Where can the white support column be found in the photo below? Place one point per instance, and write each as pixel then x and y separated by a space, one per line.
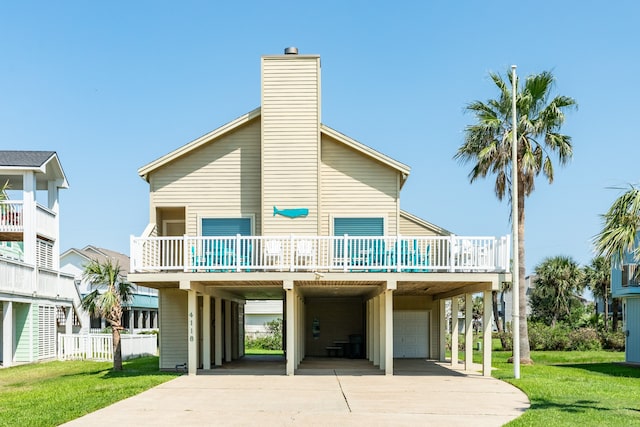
pixel 443 330
pixel 52 194
pixel 369 354
pixel 382 331
pixel 376 330
pixel 217 351
pixel 192 331
pixel 487 344
pixel 29 218
pixel 388 323
pixel 454 332
pixel 206 332
pixel 290 319
pixel 468 332
pixel 227 331
pixel 131 318
pixel 7 333
pixel 299 330
pixel 68 321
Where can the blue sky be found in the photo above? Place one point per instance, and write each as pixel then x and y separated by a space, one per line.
pixel 113 85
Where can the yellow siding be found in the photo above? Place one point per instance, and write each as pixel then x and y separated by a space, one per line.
pixel 220 179
pixel 411 228
pixel 290 141
pixel 173 328
pixel 355 185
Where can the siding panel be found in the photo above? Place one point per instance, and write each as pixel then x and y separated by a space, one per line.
pixel 173 328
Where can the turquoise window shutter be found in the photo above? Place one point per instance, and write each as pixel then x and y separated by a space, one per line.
pixel 358 226
pixel 226 226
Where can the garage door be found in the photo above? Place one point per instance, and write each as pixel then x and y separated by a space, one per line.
pixel 410 334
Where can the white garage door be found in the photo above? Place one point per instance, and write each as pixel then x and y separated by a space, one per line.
pixel 410 334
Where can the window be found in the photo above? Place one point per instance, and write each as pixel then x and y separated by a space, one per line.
pixel 226 226
pixel 358 226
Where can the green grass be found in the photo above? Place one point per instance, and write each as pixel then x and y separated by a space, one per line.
pixel 51 393
pixel 570 388
pixel 262 352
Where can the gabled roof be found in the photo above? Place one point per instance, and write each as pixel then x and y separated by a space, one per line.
pixel 45 163
pixel 90 252
pixel 29 159
pixel 436 229
pixel 144 171
pixel 254 114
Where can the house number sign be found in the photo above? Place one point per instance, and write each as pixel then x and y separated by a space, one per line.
pixel 191 326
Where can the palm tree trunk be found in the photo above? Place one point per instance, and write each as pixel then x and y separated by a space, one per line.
pixel 615 307
pixel 525 351
pixel 117 349
pixel 605 299
pixel 496 312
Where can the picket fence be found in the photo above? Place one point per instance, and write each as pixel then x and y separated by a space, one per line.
pixel 100 346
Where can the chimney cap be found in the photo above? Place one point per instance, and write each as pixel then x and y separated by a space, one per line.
pixel 291 51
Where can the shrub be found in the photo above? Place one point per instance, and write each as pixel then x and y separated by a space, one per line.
pixel 545 337
pixel 612 340
pixel 272 340
pixel 584 339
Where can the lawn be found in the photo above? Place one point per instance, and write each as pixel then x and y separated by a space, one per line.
pixel 262 352
pixel 51 393
pixel 575 388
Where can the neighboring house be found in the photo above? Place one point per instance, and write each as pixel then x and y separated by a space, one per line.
pixel 257 313
pixel 625 284
pixel 277 205
pixel 37 298
pixel 505 301
pixel 140 315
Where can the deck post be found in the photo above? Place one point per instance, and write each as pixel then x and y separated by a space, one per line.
pixel 290 326
pixel 206 332
pixel 227 331
pixel 468 332
pixel 7 333
pixel 192 331
pixel 376 330
pixel 382 330
pixel 443 330
pixel 217 348
pixel 487 323
pixel 454 332
pixel 388 332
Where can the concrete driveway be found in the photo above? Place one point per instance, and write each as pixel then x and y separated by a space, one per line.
pixel 321 393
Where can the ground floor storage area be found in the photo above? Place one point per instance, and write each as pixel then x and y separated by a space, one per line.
pixel 378 321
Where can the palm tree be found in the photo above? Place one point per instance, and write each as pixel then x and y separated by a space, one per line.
pixel 618 234
pixel 108 303
pixel 488 145
pixel 558 284
pixel 598 279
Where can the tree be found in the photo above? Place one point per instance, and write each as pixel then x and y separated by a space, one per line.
pixel 108 302
pixel 505 287
pixel 619 233
pixel 598 279
pixel 488 145
pixel 558 284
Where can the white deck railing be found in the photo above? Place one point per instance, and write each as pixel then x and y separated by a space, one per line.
pixel 12 218
pixel 18 277
pixel 320 253
pixel 100 346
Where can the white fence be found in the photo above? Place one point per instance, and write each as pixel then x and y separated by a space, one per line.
pixel 100 346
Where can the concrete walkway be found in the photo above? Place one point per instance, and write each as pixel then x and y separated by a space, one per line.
pixel 322 393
